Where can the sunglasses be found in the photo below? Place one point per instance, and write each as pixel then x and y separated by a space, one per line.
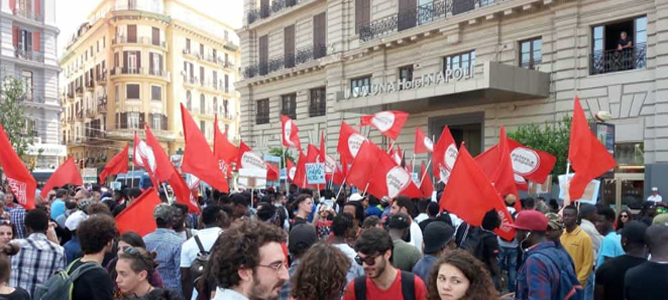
pixel 5 222
pixel 369 260
pixel 624 216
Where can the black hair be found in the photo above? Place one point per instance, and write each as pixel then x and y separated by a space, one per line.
pixel 553 204
pixel 266 211
pixel 61 193
pixel 374 241
pixel 359 210
pixel 182 207
pixel 134 192
pixel 133 239
pixel 210 214
pixel 422 205
pixel 96 232
pixel 240 199
pixel 373 201
pixel 224 199
pixel 37 220
pixel 491 220
pixel 433 209
pixel 529 203
pixel 607 213
pixel 342 224
pixel 301 198
pixel 573 207
pixel 406 202
pixel 69 204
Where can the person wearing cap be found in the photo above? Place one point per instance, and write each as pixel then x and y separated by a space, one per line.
pixel 438 238
pixel 655 197
pixel 405 254
pixel 167 244
pixel 403 204
pixel 301 238
pixel 539 275
pixel 610 275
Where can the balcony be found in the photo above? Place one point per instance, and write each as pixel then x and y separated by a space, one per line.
pixel 609 61
pixel 190 80
pixel 102 79
pixel 90 113
pixel 266 11
pixel 79 91
pixel 28 14
pixel 90 84
pixel 29 55
pixel 80 115
pixel 226 64
pixel 33 99
pixel 139 71
pixel 102 104
pixel 304 55
pixel 159 73
pixel 424 14
pixel 144 40
pixel 70 94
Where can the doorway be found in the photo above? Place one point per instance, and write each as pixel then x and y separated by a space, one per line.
pixel 465 128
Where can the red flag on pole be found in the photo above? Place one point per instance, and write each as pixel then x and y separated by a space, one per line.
pixel 499 168
pixel 290 133
pixel 272 172
pixel 350 142
pixel 67 173
pixel 445 155
pixel 341 172
pixel 363 164
pixel 423 144
pixel 138 217
pixel 248 159
pixel 223 150
pixel 182 191
pixel 387 122
pixel 469 194
pixel 426 186
pixel 143 157
pixel 291 169
pixel 389 179
pixel 20 181
pixel 300 174
pixel 587 155
pixel 198 158
pixel 118 164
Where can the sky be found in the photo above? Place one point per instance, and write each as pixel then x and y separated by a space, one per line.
pixel 70 14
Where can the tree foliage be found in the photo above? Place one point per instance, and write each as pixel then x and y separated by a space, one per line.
pixel 553 139
pixel 12 114
pixel 277 151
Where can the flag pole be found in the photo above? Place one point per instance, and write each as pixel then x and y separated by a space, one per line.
pixel 413 162
pixel 132 181
pixel 425 172
pixel 391 146
pixel 341 187
pixel 285 165
pixel 365 188
pixel 169 199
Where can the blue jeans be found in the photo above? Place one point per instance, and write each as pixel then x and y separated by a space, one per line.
pixel 589 288
pixel 508 262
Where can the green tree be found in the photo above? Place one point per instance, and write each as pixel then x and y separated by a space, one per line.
pixel 277 151
pixel 553 139
pixel 12 116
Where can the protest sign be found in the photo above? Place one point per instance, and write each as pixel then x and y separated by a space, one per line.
pixel 315 173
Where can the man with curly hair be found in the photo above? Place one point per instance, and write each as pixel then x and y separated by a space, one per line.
pixel 250 262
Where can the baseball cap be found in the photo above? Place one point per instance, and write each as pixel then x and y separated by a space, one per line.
pixel 661 219
pixel 163 211
pixel 356 197
pixel 72 222
pixel 554 222
pixel 530 220
pixel 655 189
pixel 436 235
pixel 301 237
pixel 399 221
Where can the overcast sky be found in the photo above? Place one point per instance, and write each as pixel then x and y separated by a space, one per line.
pixel 72 13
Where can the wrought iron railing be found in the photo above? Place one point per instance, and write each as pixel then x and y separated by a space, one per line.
pixel 265 11
pixel 614 60
pixel 28 14
pixel 424 14
pixel 286 61
pixel 102 104
pixel 29 55
pixel 90 84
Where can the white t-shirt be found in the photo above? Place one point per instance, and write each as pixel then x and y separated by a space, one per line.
pixel 421 217
pixel 416 236
pixel 656 198
pixel 184 233
pixel 190 250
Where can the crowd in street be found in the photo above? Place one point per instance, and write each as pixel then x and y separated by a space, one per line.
pixel 313 245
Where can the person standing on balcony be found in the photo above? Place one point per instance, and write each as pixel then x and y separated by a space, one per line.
pixel 625 47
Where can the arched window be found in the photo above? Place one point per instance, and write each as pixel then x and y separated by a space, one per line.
pixel 189 100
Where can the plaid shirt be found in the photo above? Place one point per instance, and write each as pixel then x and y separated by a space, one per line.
pixel 17 216
pixel 538 279
pixel 167 244
pixel 285 289
pixel 37 260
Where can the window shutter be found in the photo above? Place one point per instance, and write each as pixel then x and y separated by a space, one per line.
pixel 132 33
pixel 138 53
pixel 36 40
pixel 125 60
pixel 150 62
pixel 12 5
pixel 38 7
pixel 164 122
pixel 15 36
pixel 150 117
pixel 142 119
pixel 124 120
pixel 289 46
pixel 156 36
pixel 160 62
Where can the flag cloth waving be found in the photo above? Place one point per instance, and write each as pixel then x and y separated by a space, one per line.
pixel 426 185
pixel 469 194
pixel 588 156
pixel 198 158
pixel 143 157
pixel 350 142
pixel 387 122
pixel 20 181
pixel 363 164
pixel 118 164
pixel 445 155
pixel 140 209
pixel 499 168
pixel 249 160
pixel 423 144
pixel 290 133
pixel 223 150
pixel 67 173
pixel 389 179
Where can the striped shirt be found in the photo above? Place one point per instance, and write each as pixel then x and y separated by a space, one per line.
pixel 37 260
pixel 166 243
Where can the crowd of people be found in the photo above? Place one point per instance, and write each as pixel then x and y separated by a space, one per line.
pixel 313 245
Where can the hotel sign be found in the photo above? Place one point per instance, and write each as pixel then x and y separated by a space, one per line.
pixel 440 77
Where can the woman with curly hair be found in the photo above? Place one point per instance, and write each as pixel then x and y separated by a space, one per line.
pixel 321 275
pixel 623 218
pixel 457 275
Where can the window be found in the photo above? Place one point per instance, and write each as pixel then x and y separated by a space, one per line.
pixel 188 45
pixel 27 79
pixel 530 53
pixel 117 93
pixel 227 83
pixel 360 86
pixel 156 121
pixel 362 13
pixel 97 46
pixel 225 108
pixel 202 104
pixel 215 105
pixel 406 74
pixel 155 64
pixel 132 91
pixel 133 120
pixel 319 35
pixel 156 93
pixel 201 49
pixel 289 105
pixel 132 33
pixel 202 126
pixel 289 46
pixel 465 61
pixel 201 75
pixel 619 46
pixel 155 38
pixel 262 116
pixel 264 54
pixel 189 100
pixel 318 102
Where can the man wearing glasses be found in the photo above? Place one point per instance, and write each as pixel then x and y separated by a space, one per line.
pixel 250 262
pixel 382 281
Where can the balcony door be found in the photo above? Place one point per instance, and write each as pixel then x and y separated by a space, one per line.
pixel 407 15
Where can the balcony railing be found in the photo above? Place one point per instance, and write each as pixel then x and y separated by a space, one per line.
pixel 33 99
pixel 90 84
pixel 266 11
pixel 139 71
pixel 103 78
pixel 608 61
pixel 70 94
pixel 144 40
pixel 102 104
pixel 286 61
pixel 79 90
pixel 29 55
pixel 28 14
pixel 90 113
pixel 424 14
pixel 190 80
pixel 261 119
pixel 80 115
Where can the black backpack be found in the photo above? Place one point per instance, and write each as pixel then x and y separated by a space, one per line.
pixel 200 262
pixel 407 286
pixel 471 239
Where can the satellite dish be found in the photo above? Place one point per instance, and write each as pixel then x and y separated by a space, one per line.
pixel 603 116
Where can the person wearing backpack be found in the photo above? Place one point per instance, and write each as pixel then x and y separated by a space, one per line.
pixel 195 251
pixel 546 273
pixel 382 281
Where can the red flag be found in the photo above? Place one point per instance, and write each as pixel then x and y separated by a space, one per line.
pixel 300 174
pixel 423 144
pixel 397 156
pixel 138 216
pixel 20 181
pixel 290 133
pixel 588 156
pixel 363 164
pixel 291 169
pixel 426 186
pixel 350 142
pixel 445 155
pixel 391 180
pixel 340 173
pixel 223 150
pixel 118 164
pixel 387 122
pixel 499 168
pixel 469 194
pixel 182 191
pixel 272 172
pixel 143 157
pixel 322 152
pixel 198 158
pixel 248 159
pixel 67 173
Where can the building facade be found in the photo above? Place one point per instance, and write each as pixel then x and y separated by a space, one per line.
pixel 136 61
pixel 28 52
pixel 473 65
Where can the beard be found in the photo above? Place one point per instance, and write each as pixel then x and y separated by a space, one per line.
pixel 380 269
pixel 262 291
